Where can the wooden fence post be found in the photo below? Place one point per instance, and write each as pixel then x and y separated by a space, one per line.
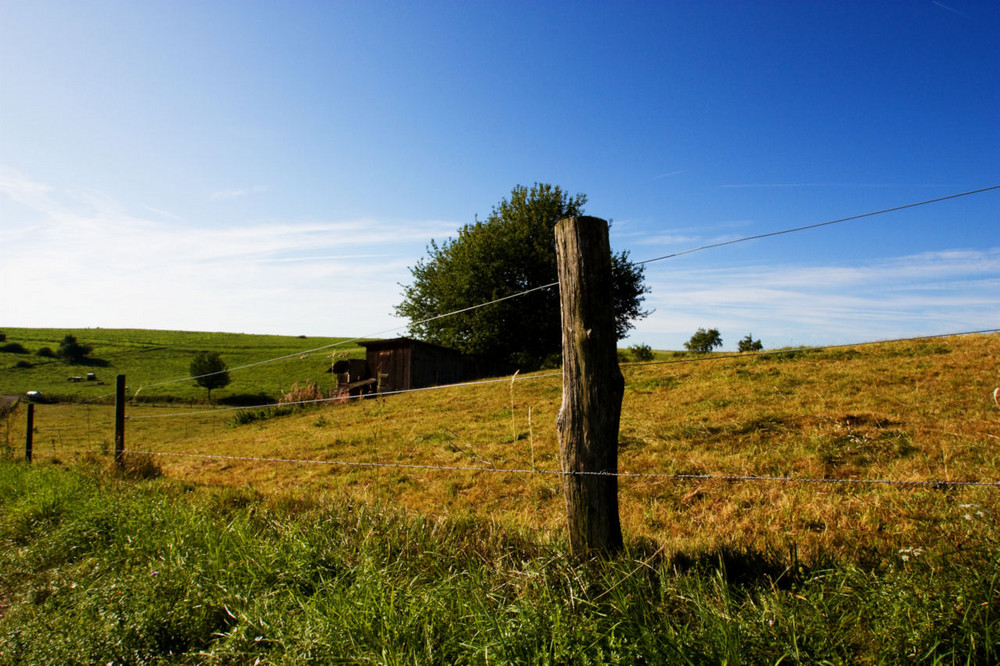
pixel 29 436
pixel 593 386
pixel 120 421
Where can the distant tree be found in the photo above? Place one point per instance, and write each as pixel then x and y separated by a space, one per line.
pixel 72 351
pixel 13 348
pixel 3 336
pixel 641 352
pixel 748 344
pixel 46 352
pixel 704 341
pixel 512 251
pixel 210 371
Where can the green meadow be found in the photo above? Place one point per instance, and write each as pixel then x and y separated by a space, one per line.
pixel 153 360
pixel 384 531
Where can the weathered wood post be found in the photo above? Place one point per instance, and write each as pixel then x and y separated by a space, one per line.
pixel 593 386
pixel 28 437
pixel 120 421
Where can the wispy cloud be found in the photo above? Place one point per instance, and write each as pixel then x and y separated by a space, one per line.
pixel 951 9
pixel 926 293
pixel 669 239
pixel 89 261
pixel 236 193
pixel 669 174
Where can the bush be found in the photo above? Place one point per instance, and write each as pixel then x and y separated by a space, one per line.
pixel 247 416
pixel 14 348
pixel 748 344
pixel 73 352
pixel 23 364
pixel 46 352
pixel 641 352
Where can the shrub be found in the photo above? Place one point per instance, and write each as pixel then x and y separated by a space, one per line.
pixel 72 351
pixel 247 416
pixel 748 344
pixel 641 352
pixel 14 348
pixel 46 352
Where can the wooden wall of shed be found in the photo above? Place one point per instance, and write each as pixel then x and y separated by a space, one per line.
pixel 391 368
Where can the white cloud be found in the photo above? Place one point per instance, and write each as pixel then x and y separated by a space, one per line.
pixel 87 261
pixel 81 259
pixel 928 293
pixel 236 193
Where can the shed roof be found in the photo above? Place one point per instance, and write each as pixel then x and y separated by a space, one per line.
pixel 405 342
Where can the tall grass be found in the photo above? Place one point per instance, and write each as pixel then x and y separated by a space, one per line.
pixel 98 569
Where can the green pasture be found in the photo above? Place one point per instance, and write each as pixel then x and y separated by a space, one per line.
pixel 98 568
pixel 151 358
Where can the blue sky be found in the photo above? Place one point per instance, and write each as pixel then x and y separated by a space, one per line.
pixel 275 167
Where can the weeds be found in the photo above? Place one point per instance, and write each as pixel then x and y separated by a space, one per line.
pixel 103 571
pixel 248 416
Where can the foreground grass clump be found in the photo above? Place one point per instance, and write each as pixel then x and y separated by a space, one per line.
pixel 96 569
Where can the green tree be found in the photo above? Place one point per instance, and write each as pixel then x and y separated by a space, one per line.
pixel 704 341
pixel 210 371
pixel 748 344
pixel 72 351
pixel 512 251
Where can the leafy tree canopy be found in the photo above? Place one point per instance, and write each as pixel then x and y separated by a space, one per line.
pixel 512 251
pixel 72 351
pixel 704 341
pixel 210 371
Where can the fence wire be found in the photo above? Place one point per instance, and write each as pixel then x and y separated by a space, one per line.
pixel 556 472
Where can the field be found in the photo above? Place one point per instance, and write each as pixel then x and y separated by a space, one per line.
pixel 449 496
pixel 149 358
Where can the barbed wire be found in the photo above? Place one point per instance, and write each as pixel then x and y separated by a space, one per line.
pixel 556 284
pixel 504 380
pixel 300 353
pixel 553 472
pixel 817 225
pixel 799 350
pixel 346 398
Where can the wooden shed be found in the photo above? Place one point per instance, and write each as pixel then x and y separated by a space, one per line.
pixel 403 363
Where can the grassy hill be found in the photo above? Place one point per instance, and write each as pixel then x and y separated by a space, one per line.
pixel 428 527
pixel 149 357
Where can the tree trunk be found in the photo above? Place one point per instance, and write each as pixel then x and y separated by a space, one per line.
pixel 592 386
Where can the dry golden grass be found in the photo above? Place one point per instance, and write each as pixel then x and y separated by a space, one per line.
pixel 914 411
